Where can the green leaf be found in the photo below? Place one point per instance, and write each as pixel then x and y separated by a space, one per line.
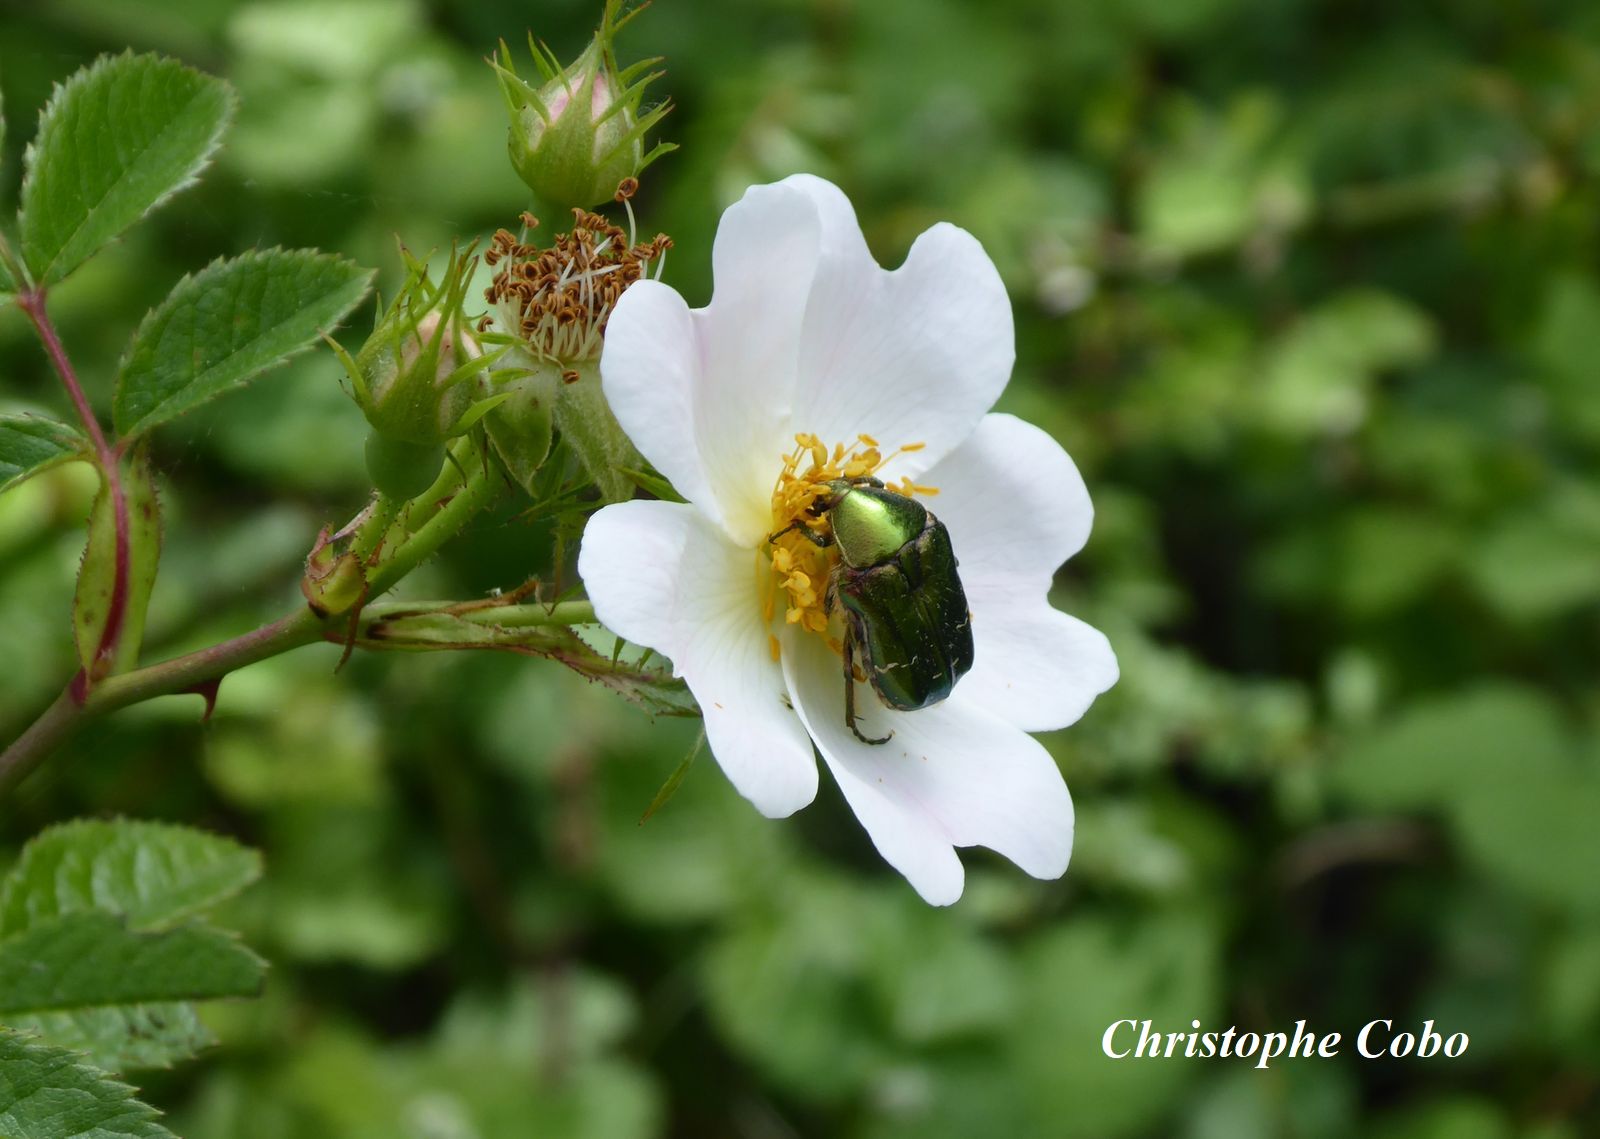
pixel 108 639
pixel 152 874
pixel 801 967
pixel 142 877
pixel 1498 763
pixel 116 140
pixel 30 444
pixel 1537 560
pixel 119 1038
pixel 221 326
pixel 93 960
pixel 1442 749
pixel 47 1093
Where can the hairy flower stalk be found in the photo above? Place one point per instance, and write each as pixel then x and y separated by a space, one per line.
pixel 765 410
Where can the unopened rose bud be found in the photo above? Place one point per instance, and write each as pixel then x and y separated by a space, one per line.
pixel 581 131
pixel 420 379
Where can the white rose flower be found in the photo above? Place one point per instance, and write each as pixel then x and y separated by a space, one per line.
pixel 808 355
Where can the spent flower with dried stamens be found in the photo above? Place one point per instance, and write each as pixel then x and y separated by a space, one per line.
pixel 555 300
pixel 551 304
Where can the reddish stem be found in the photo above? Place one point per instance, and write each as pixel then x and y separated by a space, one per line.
pixel 32 302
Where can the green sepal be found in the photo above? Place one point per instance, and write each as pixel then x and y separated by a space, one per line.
pixel 586 422
pixel 8 284
pixel 653 484
pixel 521 429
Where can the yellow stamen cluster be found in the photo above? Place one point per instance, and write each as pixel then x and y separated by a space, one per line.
pixel 559 299
pixel 800 567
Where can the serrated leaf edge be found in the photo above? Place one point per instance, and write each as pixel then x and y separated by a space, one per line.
pixel 58 93
pixel 83 453
pixel 120 1089
pixel 13 875
pixel 139 426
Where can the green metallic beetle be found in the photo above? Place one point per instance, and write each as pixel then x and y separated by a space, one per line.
pixel 906 615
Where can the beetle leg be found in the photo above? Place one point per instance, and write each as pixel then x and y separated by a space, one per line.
pixel 850 691
pixel 805 531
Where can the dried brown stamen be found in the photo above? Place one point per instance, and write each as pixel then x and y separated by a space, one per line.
pixel 558 299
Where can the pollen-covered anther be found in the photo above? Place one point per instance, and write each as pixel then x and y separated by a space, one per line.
pixel 802 557
pixel 557 300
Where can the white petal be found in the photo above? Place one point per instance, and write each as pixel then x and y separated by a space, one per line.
pixel 649 370
pixel 705 394
pixel 763 262
pixel 662 575
pixel 1034 666
pixel 1016 508
pixel 951 775
pixel 1013 500
pixel 911 356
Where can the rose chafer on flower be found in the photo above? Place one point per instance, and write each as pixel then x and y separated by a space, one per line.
pixel 814 375
pixel 581 131
pixel 420 379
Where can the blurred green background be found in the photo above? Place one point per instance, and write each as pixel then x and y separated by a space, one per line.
pixel 1310 290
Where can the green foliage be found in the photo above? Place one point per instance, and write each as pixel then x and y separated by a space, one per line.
pixel 30 444
pixel 538 1059
pixel 98 949
pixel 1310 294
pixel 115 141
pixel 45 1093
pixel 153 874
pixel 222 326
pixel 1081 978
pixel 1531 824
pixel 88 961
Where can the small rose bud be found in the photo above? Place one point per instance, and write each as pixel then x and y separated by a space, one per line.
pixel 581 131
pixel 421 377
pixel 334 581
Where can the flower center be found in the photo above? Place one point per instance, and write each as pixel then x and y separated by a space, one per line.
pixel 800 564
pixel 558 300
